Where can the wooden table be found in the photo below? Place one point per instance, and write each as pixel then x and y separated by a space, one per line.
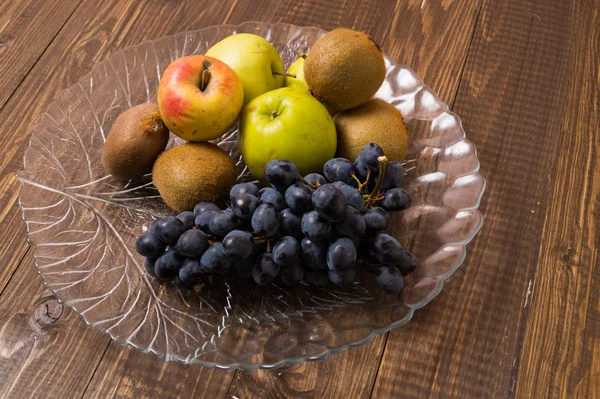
pixel 521 316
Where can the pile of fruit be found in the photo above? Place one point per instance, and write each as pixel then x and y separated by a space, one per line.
pixel 319 228
pixel 293 126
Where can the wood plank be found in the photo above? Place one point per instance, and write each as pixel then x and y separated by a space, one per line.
pixel 561 351
pixel 128 373
pixel 95 31
pixel 369 20
pixel 44 347
pixel 414 36
pixel 27 27
pixel 104 382
pixel 467 342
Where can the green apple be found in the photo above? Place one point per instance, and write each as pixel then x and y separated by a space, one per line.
pixel 256 62
pixel 297 70
pixel 286 124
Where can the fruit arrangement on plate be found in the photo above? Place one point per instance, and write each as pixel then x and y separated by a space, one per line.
pixel 87 196
pixel 326 159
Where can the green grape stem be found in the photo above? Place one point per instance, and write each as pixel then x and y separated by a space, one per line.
pixel 309 184
pixel 374 195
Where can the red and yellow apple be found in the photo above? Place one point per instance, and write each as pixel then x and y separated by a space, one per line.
pixel 199 97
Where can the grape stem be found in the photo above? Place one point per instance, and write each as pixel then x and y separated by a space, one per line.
pixel 372 198
pixel 361 185
pixel 309 184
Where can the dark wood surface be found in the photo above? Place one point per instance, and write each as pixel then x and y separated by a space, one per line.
pixel 520 318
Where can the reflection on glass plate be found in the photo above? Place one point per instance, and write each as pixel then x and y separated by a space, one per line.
pixel 83 224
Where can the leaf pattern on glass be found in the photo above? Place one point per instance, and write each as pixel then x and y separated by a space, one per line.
pixel 83 223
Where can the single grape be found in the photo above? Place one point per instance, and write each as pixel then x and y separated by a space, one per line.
pixel 281 174
pixel 244 188
pixel 271 196
pixel 205 206
pixel 292 274
pixel 149 246
pixel 376 220
pixel 316 278
pixel 342 278
pixel 191 272
pixel 268 265
pixel 313 255
pixel 152 227
pixel 330 202
pixel 187 218
pixel 315 227
pixel 223 222
pixel 409 263
pixel 339 169
pixel 299 197
pixel 389 279
pixel 352 225
pixel 192 243
pixel 167 265
pixel 368 157
pixel 387 250
pixel 169 229
pixel 315 179
pixel 286 251
pixel 265 269
pixel 396 199
pixel 243 267
pixel 244 205
pixel 394 174
pixel 353 196
pixel 150 263
pixel 290 224
pixel 214 259
pixel 238 243
pixel 202 221
pixel 265 221
pixel 362 171
pixel 341 255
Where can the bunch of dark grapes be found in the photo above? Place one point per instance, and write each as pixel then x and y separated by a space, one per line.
pixel 317 228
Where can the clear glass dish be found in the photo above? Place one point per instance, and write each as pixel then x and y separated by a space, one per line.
pixel 82 224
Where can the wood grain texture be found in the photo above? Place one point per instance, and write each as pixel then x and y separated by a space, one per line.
pixel 561 351
pixel 521 317
pixel 26 29
pixel 45 348
pixel 467 343
pixel 412 36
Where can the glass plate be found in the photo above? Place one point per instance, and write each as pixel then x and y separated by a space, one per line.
pixel 82 224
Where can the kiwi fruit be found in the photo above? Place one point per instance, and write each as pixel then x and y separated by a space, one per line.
pixel 134 142
pixel 376 121
pixel 191 173
pixel 344 68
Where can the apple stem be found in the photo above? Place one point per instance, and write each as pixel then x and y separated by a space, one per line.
pixel 274 115
pixel 291 75
pixel 205 79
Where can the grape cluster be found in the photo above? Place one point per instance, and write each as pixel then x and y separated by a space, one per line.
pixel 317 228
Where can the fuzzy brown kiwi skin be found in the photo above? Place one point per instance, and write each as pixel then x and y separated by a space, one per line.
pixel 134 142
pixel 344 68
pixel 375 121
pixel 191 173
